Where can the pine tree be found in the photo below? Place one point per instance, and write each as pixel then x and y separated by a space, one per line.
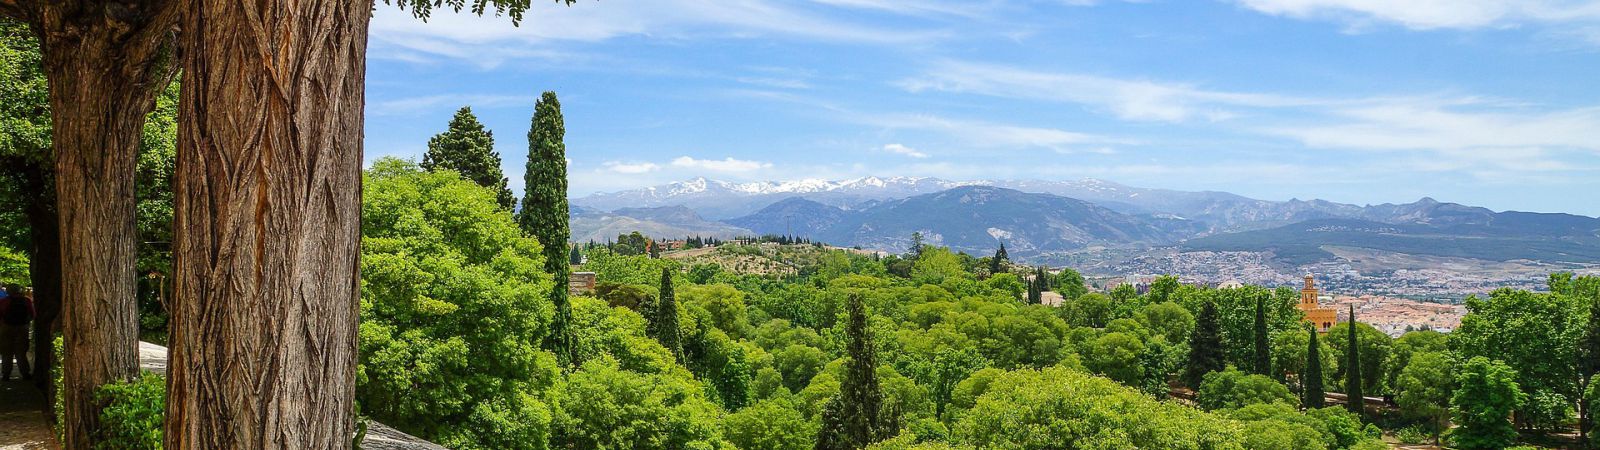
pixel 998 262
pixel 544 213
pixel 666 321
pixel 1263 353
pixel 574 257
pixel 1205 347
pixel 1311 381
pixel 467 148
pixel 861 419
pixel 1356 400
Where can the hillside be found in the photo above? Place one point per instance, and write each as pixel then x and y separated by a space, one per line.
pixel 793 216
pixel 664 222
pixel 1303 242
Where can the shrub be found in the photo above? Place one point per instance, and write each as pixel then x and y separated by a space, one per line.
pixel 1416 434
pixel 133 415
pixel 1233 389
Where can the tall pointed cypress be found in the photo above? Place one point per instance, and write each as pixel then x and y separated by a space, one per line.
pixel 860 419
pixel 1311 381
pixel 467 148
pixel 544 213
pixel 998 262
pixel 665 324
pixel 1263 353
pixel 1356 399
pixel 1205 347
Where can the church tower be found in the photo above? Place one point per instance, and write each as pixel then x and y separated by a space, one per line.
pixel 1322 318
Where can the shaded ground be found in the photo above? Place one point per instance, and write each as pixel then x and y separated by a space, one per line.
pixel 23 425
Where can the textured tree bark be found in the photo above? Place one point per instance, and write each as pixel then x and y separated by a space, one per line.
pixel 44 270
pixel 105 61
pixel 267 218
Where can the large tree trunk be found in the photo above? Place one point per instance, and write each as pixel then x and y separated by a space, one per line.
pixel 105 61
pixel 44 270
pixel 267 225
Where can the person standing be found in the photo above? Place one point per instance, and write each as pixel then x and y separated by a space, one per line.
pixel 16 312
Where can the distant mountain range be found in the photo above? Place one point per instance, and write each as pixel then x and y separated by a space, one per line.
pixel 971 218
pixel 659 222
pixel 1043 217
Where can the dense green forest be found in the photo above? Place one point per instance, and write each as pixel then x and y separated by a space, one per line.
pixel 675 355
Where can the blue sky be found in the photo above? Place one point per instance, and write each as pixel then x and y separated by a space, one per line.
pixel 1485 102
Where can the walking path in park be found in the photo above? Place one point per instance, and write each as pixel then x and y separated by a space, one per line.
pixel 24 427
pixel 22 421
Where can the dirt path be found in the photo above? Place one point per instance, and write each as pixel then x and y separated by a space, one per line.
pixel 22 425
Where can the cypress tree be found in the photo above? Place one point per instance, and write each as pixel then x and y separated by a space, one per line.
pixel 1263 353
pixel 1205 347
pixel 574 257
pixel 1033 291
pixel 666 321
pixel 1355 400
pixel 860 419
pixel 831 435
pixel 1041 283
pixel 1311 381
pixel 467 148
pixel 544 213
pixel 998 262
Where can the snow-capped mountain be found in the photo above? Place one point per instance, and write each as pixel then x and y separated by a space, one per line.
pixel 717 199
pixel 1039 216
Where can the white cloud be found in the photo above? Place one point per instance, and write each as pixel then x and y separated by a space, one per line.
pixel 987 134
pixel 1401 125
pixel 412 105
pixel 1434 14
pixel 1479 134
pixel 919 7
pixel 631 168
pixel 974 133
pixel 899 149
pixel 489 41
pixel 1127 99
pixel 724 165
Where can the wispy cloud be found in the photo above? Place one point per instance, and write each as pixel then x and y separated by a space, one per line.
pixel 1435 14
pixel 428 103
pixel 488 41
pixel 720 165
pixel 1474 131
pixel 899 149
pixel 982 134
pixel 631 168
pixel 1131 99
pixel 1413 124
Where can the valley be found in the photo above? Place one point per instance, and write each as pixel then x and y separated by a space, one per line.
pixel 1427 249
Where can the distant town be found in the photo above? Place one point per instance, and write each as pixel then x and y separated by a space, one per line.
pixel 1394 300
